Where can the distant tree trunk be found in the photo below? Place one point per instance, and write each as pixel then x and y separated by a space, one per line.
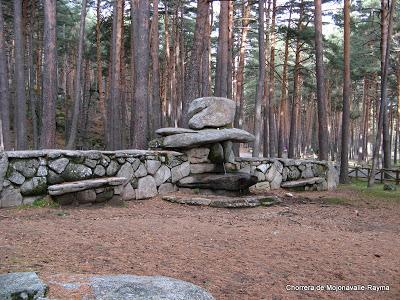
pixel 397 136
pixel 156 102
pixel 48 131
pixel 205 59
pixel 102 106
pixel 4 91
pixel 344 156
pixel 284 93
pixel 193 76
pixel 115 78
pixel 385 36
pixel 319 66
pixel 31 72
pixel 266 108
pixel 132 69
pixel 261 78
pixel 20 104
pixel 78 85
pixel 142 47
pixel 271 94
pixel 230 52
pixel 238 123
pixel 384 79
pixel 296 92
pixel 240 72
pixel 221 73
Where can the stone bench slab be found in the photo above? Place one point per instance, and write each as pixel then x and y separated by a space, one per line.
pixel 76 186
pixel 302 182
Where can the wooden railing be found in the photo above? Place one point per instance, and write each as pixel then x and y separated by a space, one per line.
pixel 383 175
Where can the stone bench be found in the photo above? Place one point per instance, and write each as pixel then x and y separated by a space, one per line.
pixel 307 184
pixel 89 191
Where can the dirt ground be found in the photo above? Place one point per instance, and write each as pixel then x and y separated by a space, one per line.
pixel 254 253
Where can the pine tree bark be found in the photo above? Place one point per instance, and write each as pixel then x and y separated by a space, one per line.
pixel 192 81
pixel 115 77
pixel 271 94
pixel 382 106
pixel 20 103
pixel 102 106
pixel 48 129
pixel 5 142
pixel 205 58
pixel 71 144
pixel 284 93
pixel 142 47
pixel 156 102
pixel 296 91
pixel 344 156
pixel 240 72
pixel 319 68
pixel 385 36
pixel 221 74
pixel 261 78
pixel 294 126
pixel 31 72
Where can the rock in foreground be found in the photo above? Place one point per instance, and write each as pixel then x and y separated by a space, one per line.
pixel 24 285
pixel 126 287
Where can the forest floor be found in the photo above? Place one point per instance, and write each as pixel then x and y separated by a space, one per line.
pixel 345 237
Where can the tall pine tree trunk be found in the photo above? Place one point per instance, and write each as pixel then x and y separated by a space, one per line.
pixel 296 92
pixel 5 143
pixel 102 106
pixel 48 130
pixel 142 61
pixel 385 37
pixel 382 106
pixel 115 78
pixel 71 144
pixel 321 101
pixel 261 78
pixel 344 156
pixel 284 93
pixel 155 83
pixel 193 76
pixel 271 94
pixel 20 103
pixel 221 73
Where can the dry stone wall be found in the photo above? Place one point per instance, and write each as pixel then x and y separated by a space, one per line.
pixel 289 173
pixel 26 175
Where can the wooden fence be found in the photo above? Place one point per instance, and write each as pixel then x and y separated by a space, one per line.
pixel 383 175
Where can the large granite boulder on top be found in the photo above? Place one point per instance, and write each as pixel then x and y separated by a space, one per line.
pixel 229 182
pixel 122 287
pixel 207 136
pixel 211 112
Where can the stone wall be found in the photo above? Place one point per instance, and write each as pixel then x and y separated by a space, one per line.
pixel 26 175
pixel 289 173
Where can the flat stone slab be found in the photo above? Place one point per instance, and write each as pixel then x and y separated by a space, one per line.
pixel 23 285
pixel 223 201
pixel 126 287
pixel 76 186
pixel 302 182
pixel 229 181
pixel 173 130
pixel 207 136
